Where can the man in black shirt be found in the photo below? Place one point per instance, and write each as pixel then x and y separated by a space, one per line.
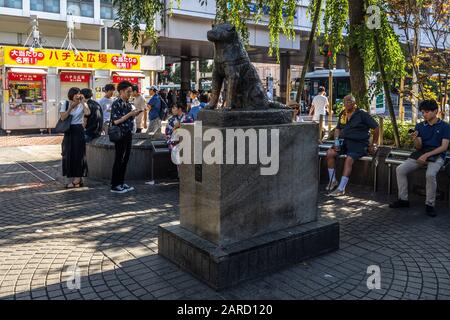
pixel 353 130
pixel 94 122
pixel 122 115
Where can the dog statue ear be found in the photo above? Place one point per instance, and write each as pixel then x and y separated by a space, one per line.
pixel 233 28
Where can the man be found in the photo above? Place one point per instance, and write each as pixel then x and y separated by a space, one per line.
pixel 319 106
pixel 195 105
pixel 431 140
pixel 106 103
pixel 122 115
pixel 140 104
pixel 94 121
pixel 353 128
pixel 155 109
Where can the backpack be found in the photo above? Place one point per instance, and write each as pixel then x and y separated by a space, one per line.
pixel 163 109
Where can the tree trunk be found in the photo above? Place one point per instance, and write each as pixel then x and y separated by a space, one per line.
pixel 356 63
pixel 387 91
pixel 312 35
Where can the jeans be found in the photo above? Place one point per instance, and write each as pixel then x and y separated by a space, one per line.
pixel 154 126
pixel 123 150
pixel 410 165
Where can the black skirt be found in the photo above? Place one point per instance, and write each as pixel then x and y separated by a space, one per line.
pixel 74 153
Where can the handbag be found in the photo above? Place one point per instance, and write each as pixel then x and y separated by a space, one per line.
pixel 114 132
pixel 63 126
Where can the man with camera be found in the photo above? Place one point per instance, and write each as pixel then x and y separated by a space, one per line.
pixel 352 139
pixel 431 140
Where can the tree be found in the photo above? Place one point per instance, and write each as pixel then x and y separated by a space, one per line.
pixel 315 8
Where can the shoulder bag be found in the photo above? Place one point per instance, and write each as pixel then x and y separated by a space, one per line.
pixel 114 132
pixel 63 126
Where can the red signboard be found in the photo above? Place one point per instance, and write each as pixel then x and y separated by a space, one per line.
pixel 75 77
pixel 13 76
pixel 117 79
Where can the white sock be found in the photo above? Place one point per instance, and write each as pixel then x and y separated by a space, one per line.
pixel 343 184
pixel 331 175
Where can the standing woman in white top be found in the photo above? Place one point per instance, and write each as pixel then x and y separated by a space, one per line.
pixel 74 145
pixel 319 105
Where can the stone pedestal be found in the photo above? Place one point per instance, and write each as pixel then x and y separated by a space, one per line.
pixel 235 223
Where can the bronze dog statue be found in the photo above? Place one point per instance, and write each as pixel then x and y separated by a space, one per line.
pixel 231 64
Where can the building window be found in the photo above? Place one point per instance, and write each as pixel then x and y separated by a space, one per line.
pixel 16 4
pixel 83 8
pixel 45 5
pixel 107 10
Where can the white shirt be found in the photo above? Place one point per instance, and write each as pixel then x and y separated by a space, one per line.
pixel 77 113
pixel 320 102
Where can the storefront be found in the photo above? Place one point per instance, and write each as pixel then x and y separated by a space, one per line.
pixel 35 81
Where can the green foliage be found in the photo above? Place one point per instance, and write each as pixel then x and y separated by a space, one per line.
pixel 335 20
pixel 132 13
pixel 338 107
pixel 405 139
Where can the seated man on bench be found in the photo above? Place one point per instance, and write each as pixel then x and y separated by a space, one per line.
pixel 431 139
pixel 353 128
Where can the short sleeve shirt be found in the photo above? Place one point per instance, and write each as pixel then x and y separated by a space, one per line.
pixel 320 102
pixel 140 104
pixel 106 104
pixel 356 130
pixel 155 103
pixel 432 135
pixel 119 109
pixel 77 113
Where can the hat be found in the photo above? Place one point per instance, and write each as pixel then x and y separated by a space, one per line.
pixel 154 88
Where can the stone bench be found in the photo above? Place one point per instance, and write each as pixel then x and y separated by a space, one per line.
pixel 397 157
pixel 149 158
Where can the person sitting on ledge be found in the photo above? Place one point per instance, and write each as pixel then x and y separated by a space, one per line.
pixel 431 139
pixel 353 129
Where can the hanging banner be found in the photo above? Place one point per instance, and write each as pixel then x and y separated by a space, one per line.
pixel 13 76
pixel 117 79
pixel 67 59
pixel 75 77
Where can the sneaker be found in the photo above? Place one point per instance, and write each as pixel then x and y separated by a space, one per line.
pixel 399 204
pixel 337 193
pixel 127 187
pixel 118 189
pixel 332 185
pixel 430 211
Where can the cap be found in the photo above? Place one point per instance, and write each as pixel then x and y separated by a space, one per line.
pixel 155 88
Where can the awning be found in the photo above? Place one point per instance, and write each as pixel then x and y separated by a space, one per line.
pixel 130 74
pixel 28 70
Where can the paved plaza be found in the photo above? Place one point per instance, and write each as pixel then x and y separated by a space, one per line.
pixel 47 232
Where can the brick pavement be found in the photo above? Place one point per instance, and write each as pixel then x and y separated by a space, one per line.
pixel 45 230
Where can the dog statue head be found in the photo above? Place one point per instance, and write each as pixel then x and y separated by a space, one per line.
pixel 224 32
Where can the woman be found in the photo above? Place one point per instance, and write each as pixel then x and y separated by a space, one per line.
pixel 122 115
pixel 296 114
pixel 74 144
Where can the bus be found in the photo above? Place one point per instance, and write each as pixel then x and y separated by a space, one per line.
pixel 317 78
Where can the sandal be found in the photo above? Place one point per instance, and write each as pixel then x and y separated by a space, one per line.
pixel 73 185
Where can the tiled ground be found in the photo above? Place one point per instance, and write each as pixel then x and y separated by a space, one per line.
pixel 46 230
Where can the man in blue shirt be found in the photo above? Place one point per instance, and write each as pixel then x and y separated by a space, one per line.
pixel 431 140
pixel 155 109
